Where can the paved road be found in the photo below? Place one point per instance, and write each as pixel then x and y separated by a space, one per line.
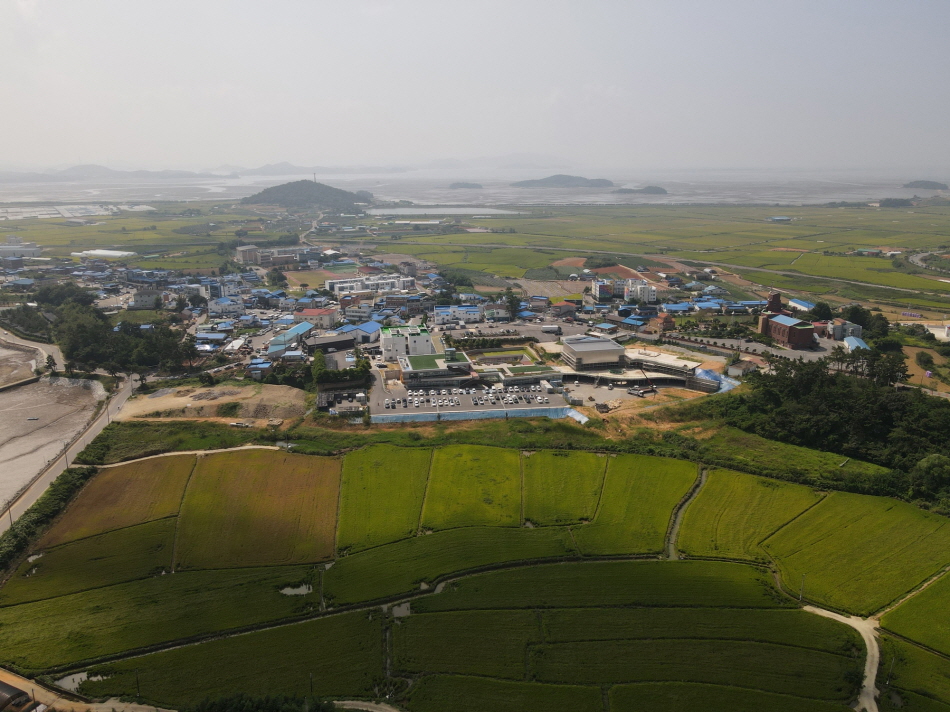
pixel 45 348
pixel 867 628
pixel 55 468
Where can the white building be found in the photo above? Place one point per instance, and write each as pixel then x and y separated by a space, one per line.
pixel 144 299
pixel 248 255
pixel 455 312
pixel 225 306
pixel 376 283
pixel 396 341
pixel 320 318
pixel 15 247
pixel 591 351
pixel 640 290
pixel 220 289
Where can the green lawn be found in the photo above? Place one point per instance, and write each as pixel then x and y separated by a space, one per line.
pixel 472 485
pixel 734 513
pixel 123 555
pixel 381 498
pixel 639 495
pixel 859 553
pixel 343 654
pixel 562 487
pixel 403 566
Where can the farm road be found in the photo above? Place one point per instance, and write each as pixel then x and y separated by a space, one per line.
pixel 368 706
pixel 867 627
pixel 55 701
pixel 672 552
pixel 191 452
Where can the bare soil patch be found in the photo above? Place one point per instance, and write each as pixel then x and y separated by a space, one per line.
pixel 16 362
pixel 258 401
pixel 570 262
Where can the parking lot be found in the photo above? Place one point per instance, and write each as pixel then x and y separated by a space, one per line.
pixel 483 397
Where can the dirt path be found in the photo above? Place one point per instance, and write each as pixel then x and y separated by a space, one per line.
pixel 672 553
pixel 192 452
pixel 368 706
pixel 55 701
pixel 867 627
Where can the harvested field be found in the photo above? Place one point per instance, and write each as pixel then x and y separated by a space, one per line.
pixel 343 654
pixel 450 693
pixel 118 556
pixel 123 496
pixel 259 507
pixel 471 485
pixel 402 567
pixel 859 553
pixel 735 512
pixel 639 495
pixel 709 584
pixel 562 487
pixel 381 498
pixel 102 621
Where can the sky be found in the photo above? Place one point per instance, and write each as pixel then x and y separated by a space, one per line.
pixel 677 84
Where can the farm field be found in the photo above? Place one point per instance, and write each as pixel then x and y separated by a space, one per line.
pixel 639 495
pixel 237 513
pixel 102 621
pixel 489 601
pixel 674 697
pixel 859 553
pixel 471 485
pixel 381 498
pixel 121 555
pixel 344 655
pixel 734 513
pixel 562 487
pixel 404 566
pixel 707 584
pixel 450 693
pixel 923 618
pixel 123 496
pixel 920 678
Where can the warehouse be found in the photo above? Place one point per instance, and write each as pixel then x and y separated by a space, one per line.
pixel 11 696
pixel 588 351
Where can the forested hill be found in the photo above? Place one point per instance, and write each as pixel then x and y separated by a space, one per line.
pixel 309 194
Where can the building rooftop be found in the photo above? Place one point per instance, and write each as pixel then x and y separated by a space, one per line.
pixel 853 342
pixel 590 342
pixel 789 321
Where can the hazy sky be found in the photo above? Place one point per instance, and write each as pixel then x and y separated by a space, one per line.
pixel 625 84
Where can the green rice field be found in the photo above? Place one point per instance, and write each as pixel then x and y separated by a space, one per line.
pixel 483 575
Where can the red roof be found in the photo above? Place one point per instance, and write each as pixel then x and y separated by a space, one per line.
pixel 316 312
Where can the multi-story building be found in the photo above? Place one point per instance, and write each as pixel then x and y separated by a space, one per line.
pixel 639 290
pixel 321 318
pixel 16 247
pixel 396 341
pixel 248 255
pixel 602 289
pixel 376 283
pixel 453 312
pixel 587 351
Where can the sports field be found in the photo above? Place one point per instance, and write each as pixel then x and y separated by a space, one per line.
pixel 513 566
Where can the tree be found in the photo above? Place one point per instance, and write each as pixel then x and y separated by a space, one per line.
pixel 930 476
pixel 513 303
pixel 157 304
pixel 822 311
pixel 196 300
pixel 180 303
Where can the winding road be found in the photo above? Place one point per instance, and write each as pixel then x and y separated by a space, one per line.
pixel 867 628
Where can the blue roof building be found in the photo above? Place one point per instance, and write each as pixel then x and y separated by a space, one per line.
pixel 800 304
pixel 852 343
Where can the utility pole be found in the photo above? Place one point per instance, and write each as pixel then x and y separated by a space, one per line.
pixel 801 592
pixel 138 687
pixel 891 671
pixel 311 684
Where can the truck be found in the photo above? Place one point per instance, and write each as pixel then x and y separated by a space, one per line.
pixel 551 329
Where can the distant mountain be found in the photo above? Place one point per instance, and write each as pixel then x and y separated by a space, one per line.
pixel 564 181
pixel 926 185
pixel 307 194
pixel 648 190
pixel 289 169
pixel 102 174
pixel 466 185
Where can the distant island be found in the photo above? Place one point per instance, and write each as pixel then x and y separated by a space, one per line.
pixel 648 190
pixel 466 185
pixel 926 185
pixel 308 194
pixel 565 181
